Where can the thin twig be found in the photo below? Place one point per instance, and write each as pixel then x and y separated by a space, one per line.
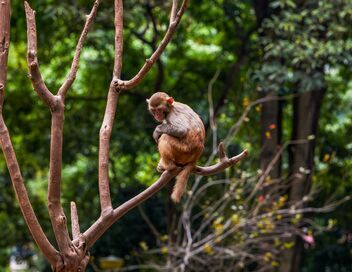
pixel 74 67
pixel 212 120
pixel 129 84
pixel 150 224
pixel 74 221
pixel 33 65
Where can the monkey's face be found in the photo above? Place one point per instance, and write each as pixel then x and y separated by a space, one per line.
pixel 159 113
pixel 159 105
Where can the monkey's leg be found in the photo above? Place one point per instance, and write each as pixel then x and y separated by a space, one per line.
pixel 165 150
pixel 161 166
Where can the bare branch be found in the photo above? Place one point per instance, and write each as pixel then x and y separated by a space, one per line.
pixel 118 6
pixel 106 220
pixel 56 213
pixel 129 84
pixel 212 120
pixel 21 193
pixel 74 67
pixel 110 112
pixel 173 11
pixel 5 14
pixel 74 221
pixel 224 163
pixel 150 224
pixel 271 165
pixel 34 72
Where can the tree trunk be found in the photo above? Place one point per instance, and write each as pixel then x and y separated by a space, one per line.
pixel 271 119
pixel 306 111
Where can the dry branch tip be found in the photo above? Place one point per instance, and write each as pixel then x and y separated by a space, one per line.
pixel 28 7
pixel 221 150
pixel 239 157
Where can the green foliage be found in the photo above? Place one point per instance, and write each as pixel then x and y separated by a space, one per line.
pixel 301 43
pixel 298 48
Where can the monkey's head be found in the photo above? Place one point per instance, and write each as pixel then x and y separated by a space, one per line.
pixel 159 105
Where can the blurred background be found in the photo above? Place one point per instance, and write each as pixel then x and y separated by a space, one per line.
pixel 270 76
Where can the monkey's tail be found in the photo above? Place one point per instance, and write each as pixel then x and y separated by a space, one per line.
pixel 181 183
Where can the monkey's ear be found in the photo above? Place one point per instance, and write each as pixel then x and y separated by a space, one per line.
pixel 147 100
pixel 170 100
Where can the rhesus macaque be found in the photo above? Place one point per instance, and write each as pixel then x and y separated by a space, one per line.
pixel 180 138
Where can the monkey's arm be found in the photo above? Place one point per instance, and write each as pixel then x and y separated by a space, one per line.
pixel 176 131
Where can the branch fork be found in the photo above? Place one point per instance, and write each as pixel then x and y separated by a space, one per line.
pixel 224 163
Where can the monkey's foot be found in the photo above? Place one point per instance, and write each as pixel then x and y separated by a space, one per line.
pixel 160 168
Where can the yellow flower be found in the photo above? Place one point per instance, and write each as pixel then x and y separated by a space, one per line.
pixel 164 250
pixel 164 238
pixel 288 245
pixel 208 249
pixel 326 157
pixel 332 223
pixel 283 199
pixel 274 264
pixel 267 180
pixel 143 245
pixel 245 101
pixel 218 226
pixel 296 218
pixel 253 235
pixel 235 219
pixel 267 257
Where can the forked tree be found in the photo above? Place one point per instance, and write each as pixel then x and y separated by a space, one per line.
pixel 72 252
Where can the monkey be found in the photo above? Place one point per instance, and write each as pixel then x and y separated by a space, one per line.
pixel 180 138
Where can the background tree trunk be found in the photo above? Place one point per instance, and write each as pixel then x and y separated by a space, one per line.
pixel 306 111
pixel 271 133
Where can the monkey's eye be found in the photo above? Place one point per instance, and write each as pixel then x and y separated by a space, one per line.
pixel 160 109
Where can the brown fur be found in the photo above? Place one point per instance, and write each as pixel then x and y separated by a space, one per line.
pixel 184 151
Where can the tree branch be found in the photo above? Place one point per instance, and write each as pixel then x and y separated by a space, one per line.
pixel 56 104
pixel 21 193
pixel 224 163
pixel 74 221
pixel 173 11
pixel 34 72
pixel 56 213
pixel 105 221
pixel 109 116
pixel 152 43
pixel 129 84
pixel 74 67
pixel 5 14
pixel 17 181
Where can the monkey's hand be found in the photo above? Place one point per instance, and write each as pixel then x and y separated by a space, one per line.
pixel 175 131
pixel 157 133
